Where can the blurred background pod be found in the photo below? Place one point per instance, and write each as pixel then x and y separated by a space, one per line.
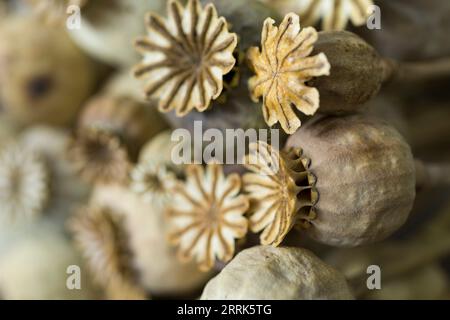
pixel 44 77
pixel 35 265
pixel 133 122
pixel 160 271
pixel 37 181
pixel 67 191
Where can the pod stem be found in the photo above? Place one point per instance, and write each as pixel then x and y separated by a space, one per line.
pixel 410 73
pixel 432 174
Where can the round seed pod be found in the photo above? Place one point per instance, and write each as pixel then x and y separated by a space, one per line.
pixel 356 75
pixel 131 121
pixel 268 273
pixel 234 109
pixel 154 258
pixel 109 27
pixel 365 178
pixel 66 190
pixel 44 76
pixel 34 267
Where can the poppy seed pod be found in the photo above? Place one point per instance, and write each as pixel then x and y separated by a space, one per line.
pixel 133 122
pixel 356 75
pixel 44 77
pixel 365 178
pixel 264 272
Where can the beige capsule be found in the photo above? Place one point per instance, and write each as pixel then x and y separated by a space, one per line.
pixel 268 273
pixel 44 77
pixel 34 266
pixel 356 75
pixel 123 117
pixel 365 178
pixel 155 260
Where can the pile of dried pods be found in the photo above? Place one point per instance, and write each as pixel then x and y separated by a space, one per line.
pixel 345 137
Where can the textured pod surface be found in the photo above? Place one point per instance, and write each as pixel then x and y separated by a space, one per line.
pixel 356 75
pixel 131 121
pixel 365 178
pixel 44 77
pixel 159 270
pixel 34 267
pixel 268 273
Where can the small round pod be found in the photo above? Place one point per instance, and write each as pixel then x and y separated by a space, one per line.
pixel 66 190
pixel 365 178
pixel 36 266
pixel 155 260
pixel 131 121
pixel 44 77
pixel 357 72
pixel 268 273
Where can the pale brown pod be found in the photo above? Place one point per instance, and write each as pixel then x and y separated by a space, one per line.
pixel 44 77
pixel 35 263
pixel 159 270
pixel 365 178
pixel 100 236
pixel 268 273
pixel 123 117
pixel 356 75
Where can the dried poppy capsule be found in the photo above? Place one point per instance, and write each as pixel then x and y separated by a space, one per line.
pixel 282 67
pixel 67 191
pixel 34 266
pixel 267 273
pixel 185 57
pixel 335 14
pixel 153 182
pixel 207 215
pixel 353 180
pixel 44 77
pixel 365 178
pixel 98 233
pixel 24 184
pixel 281 189
pixel 99 157
pixel 155 175
pixel 123 117
pixel 356 75
pixel 160 271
